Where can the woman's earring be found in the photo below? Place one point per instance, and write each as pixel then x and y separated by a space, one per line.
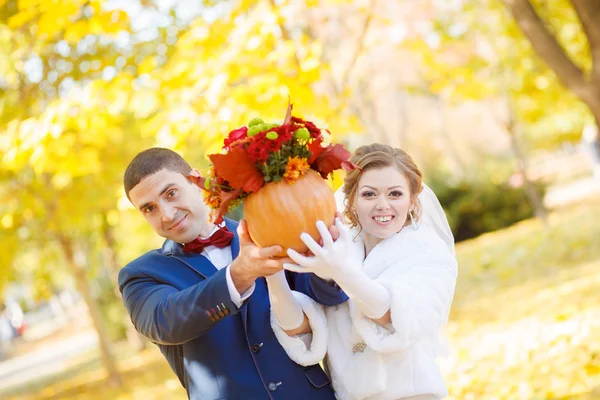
pixel 413 221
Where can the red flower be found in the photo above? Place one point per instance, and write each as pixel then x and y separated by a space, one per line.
pixel 235 135
pixel 312 128
pixel 272 145
pixel 284 134
pixel 257 152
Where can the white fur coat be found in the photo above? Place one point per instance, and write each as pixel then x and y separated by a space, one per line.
pixel 374 362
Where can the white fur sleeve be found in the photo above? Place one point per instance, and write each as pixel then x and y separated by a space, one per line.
pixel 420 302
pixel 294 346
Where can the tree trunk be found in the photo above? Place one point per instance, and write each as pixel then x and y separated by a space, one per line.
pixel 83 288
pixel 588 12
pixel 595 109
pixel 359 48
pixel 136 340
pixel 339 86
pixel 532 194
pixel 450 147
pixel 365 109
pixel 585 86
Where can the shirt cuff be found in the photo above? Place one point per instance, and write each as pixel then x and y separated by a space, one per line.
pixel 236 298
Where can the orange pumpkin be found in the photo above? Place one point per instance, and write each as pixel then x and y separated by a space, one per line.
pixel 279 212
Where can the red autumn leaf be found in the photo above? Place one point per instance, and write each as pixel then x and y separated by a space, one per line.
pixel 349 166
pixel 330 159
pixel 226 199
pixel 237 169
pixel 315 149
pixel 254 182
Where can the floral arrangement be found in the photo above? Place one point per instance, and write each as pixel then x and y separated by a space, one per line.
pixel 260 153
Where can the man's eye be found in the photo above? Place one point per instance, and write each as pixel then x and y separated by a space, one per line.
pixel 148 209
pixel 171 193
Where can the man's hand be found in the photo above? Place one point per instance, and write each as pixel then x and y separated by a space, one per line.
pixel 252 261
pixel 333 230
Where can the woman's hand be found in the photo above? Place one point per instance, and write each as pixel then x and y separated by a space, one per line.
pixel 330 260
pixel 336 260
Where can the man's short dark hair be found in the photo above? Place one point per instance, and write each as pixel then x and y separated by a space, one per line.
pixel 151 161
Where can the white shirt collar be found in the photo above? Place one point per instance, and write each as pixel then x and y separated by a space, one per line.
pixel 216 228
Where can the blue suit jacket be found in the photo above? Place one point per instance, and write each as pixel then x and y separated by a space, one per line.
pixel 172 296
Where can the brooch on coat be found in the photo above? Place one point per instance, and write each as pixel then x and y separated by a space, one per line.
pixel 359 347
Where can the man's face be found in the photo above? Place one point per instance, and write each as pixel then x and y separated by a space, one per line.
pixel 172 205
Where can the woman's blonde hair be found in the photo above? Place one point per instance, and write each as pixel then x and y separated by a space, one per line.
pixel 378 156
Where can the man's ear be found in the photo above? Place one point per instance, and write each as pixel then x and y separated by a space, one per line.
pixel 196 178
pixel 195 172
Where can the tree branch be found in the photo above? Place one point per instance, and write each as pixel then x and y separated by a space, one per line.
pixel 367 112
pixel 360 45
pixel 285 34
pixel 589 15
pixel 548 48
pixel 338 86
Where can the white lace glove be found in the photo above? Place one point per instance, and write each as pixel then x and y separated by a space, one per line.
pixel 336 260
pixel 285 307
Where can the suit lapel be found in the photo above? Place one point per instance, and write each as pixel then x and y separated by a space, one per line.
pixel 198 263
pixel 235 243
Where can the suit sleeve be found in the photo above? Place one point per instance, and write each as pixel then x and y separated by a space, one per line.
pixel 321 291
pixel 166 315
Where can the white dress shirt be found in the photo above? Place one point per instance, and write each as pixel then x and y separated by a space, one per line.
pixel 222 258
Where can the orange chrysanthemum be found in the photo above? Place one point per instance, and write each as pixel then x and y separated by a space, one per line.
pixel 211 199
pixel 295 168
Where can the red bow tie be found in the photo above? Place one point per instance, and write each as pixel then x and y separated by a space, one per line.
pixel 220 239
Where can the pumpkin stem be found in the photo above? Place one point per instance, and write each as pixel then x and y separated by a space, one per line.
pixel 288 115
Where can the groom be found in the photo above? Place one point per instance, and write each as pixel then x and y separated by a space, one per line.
pixel 202 297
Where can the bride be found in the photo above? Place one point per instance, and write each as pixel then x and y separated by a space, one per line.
pixel 396 263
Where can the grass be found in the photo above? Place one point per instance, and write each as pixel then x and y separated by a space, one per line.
pixel 525 320
pixel 529 251
pixel 524 324
pixel 146 375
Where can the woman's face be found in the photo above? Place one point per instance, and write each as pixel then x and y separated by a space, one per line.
pixel 382 201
